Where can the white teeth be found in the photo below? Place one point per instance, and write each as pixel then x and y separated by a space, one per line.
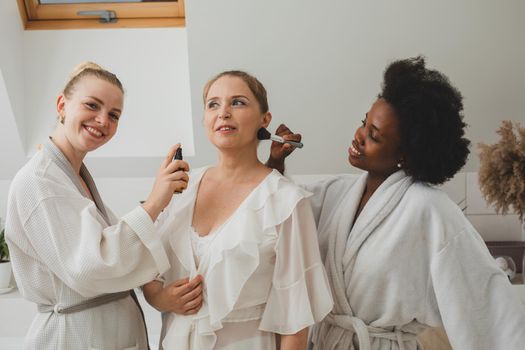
pixel 355 150
pixel 225 128
pixel 94 131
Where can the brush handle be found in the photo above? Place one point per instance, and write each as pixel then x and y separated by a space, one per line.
pixel 281 140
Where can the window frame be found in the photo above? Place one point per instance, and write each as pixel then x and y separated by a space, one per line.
pixel 130 15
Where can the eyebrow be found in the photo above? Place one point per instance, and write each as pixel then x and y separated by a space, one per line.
pixel 102 103
pixel 235 96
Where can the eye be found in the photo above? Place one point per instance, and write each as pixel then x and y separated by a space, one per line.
pixel 372 137
pixel 91 105
pixel 114 116
pixel 212 104
pixel 238 102
pixel 363 122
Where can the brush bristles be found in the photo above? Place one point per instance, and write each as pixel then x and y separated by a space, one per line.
pixel 263 134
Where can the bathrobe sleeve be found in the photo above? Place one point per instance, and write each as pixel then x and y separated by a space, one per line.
pixel 300 295
pixel 69 237
pixel 478 307
pixel 319 191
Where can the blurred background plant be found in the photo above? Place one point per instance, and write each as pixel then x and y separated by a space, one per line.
pixel 502 170
pixel 4 250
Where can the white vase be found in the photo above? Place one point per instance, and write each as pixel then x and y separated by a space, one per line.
pixel 5 274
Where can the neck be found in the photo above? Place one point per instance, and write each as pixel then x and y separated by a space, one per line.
pixel 373 181
pixel 238 165
pixel 74 156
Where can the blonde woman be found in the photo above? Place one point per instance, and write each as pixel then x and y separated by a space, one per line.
pixel 250 234
pixel 71 256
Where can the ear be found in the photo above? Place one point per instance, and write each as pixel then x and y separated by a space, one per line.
pixel 60 105
pixel 267 118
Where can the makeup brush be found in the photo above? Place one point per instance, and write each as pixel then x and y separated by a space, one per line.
pixel 263 134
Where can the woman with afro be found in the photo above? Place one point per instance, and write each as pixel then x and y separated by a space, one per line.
pixel 400 255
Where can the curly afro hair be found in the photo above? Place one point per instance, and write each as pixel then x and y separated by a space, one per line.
pixel 430 116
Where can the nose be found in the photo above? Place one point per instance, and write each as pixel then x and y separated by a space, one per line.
pixel 359 136
pixel 224 113
pixel 102 119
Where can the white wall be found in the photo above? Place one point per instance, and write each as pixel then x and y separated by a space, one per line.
pixel 11 90
pixel 322 62
pixel 152 65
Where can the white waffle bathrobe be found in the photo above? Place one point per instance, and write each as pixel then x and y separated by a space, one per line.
pixel 410 261
pixel 66 249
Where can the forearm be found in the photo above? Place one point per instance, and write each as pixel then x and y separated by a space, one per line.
pixel 153 294
pixel 295 341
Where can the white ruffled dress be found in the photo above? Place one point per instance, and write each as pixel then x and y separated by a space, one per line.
pixel 262 269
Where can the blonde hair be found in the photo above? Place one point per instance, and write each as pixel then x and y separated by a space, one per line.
pixel 256 87
pixel 85 69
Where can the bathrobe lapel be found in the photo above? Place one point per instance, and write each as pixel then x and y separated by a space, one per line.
pixel 343 246
pixel 379 206
pixel 60 159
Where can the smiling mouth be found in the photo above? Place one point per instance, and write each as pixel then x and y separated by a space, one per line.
pixel 93 131
pixel 225 128
pixel 354 151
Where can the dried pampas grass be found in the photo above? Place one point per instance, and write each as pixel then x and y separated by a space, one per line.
pixel 502 170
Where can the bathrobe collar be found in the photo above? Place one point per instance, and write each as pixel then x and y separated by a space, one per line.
pixel 60 159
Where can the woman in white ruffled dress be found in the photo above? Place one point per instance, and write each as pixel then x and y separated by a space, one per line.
pixel 248 231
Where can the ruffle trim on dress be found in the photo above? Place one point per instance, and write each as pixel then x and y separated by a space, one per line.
pixel 235 256
pixel 289 313
pixel 234 253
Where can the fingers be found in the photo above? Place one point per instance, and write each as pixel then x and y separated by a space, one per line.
pixel 175 165
pixel 292 137
pixel 288 135
pixel 184 288
pixel 170 155
pixel 282 129
pixel 175 172
pixel 193 306
pixel 186 296
pixel 179 181
pixel 180 282
pixel 178 175
pixel 196 280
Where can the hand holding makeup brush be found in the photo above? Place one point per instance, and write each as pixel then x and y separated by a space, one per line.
pixel 279 151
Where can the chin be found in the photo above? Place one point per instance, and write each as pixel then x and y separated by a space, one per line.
pixel 91 147
pixel 355 164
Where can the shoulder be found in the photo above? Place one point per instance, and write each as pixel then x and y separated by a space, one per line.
pixel 431 199
pixel 433 208
pixel 35 177
pixel 42 178
pixel 334 188
pixel 276 197
pixel 276 183
pixel 37 181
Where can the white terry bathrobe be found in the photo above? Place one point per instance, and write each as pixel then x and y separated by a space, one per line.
pixel 410 261
pixel 67 249
pixel 262 269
